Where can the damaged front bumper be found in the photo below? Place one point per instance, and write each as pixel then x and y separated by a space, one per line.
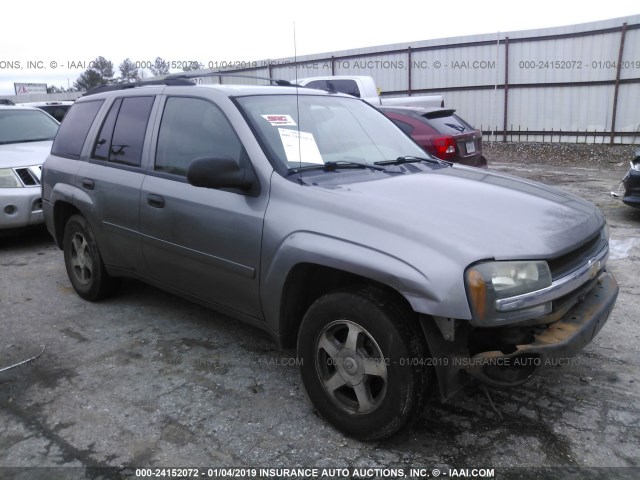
pixel 555 345
pixel 632 188
pixel 631 184
pixel 534 347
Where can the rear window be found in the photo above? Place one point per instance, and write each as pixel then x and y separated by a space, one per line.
pixel 56 111
pixel 73 131
pixel 350 87
pixel 449 124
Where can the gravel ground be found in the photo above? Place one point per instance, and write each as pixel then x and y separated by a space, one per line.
pixel 560 154
pixel 149 380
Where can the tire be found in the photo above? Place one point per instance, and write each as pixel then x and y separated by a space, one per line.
pixel 84 263
pixel 360 357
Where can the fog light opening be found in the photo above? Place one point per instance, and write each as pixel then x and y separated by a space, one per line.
pixel 10 209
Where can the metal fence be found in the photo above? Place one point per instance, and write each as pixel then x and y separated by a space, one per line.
pixel 578 83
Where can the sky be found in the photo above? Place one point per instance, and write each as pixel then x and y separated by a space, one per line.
pixel 58 38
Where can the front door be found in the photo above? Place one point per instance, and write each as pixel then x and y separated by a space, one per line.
pixel 201 241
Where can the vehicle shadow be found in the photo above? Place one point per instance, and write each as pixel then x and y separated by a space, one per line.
pixel 25 239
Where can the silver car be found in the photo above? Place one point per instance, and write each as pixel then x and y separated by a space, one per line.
pixel 26 135
pixel 311 215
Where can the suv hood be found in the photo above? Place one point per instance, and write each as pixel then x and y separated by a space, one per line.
pixel 472 214
pixel 24 154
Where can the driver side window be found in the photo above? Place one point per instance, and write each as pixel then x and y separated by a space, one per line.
pixel 193 128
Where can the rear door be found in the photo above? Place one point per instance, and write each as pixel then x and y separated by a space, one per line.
pixel 200 241
pixel 113 176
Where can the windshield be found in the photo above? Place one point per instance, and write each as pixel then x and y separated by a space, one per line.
pixel 327 129
pixel 18 126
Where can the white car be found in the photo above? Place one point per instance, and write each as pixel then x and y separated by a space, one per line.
pixel 56 108
pixel 26 135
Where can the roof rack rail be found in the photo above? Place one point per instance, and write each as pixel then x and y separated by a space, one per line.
pixel 284 83
pixel 109 87
pixel 178 79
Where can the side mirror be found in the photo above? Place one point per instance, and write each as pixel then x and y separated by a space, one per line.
pixel 219 173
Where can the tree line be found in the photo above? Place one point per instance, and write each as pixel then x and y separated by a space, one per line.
pixel 102 71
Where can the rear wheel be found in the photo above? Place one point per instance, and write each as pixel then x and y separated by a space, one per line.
pixel 361 362
pixel 84 263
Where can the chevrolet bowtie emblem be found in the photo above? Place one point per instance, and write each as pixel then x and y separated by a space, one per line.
pixel 594 267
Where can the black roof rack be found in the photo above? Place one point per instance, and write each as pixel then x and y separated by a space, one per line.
pixel 177 76
pixel 183 79
pixel 108 87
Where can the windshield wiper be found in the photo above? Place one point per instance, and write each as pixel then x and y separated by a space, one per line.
pixel 413 159
pixel 460 128
pixel 332 166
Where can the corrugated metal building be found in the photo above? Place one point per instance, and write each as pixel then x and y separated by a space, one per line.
pixel 577 83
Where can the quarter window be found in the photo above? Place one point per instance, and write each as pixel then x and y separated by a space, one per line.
pixel 72 134
pixel 193 128
pixel 405 127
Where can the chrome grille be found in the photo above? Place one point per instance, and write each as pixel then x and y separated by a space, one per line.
pixel 571 261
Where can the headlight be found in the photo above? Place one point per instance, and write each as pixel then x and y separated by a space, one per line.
pixel 492 281
pixel 8 179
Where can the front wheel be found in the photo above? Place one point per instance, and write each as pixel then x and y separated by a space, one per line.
pixel 84 263
pixel 361 367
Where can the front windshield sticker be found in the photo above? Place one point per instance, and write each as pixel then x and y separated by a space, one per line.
pixel 300 146
pixel 280 120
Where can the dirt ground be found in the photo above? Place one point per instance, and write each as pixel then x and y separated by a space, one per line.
pixel 149 380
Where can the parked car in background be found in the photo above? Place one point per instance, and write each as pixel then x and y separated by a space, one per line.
pixel 26 135
pixel 631 183
pixel 440 132
pixel 57 109
pixel 364 87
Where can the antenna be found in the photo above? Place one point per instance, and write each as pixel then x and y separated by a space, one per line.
pixel 295 62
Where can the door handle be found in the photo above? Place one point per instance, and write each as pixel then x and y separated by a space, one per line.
pixel 154 200
pixel 88 184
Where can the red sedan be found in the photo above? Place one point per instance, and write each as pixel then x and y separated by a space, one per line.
pixel 440 132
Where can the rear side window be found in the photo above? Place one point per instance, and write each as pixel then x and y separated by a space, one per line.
pixel 350 87
pixel 405 127
pixel 121 137
pixel 73 132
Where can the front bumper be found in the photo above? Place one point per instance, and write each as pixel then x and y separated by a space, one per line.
pixel 555 345
pixel 20 207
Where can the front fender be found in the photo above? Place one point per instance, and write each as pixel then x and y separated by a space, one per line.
pixel 385 268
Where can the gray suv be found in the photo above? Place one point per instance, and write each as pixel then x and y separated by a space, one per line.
pixel 311 215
